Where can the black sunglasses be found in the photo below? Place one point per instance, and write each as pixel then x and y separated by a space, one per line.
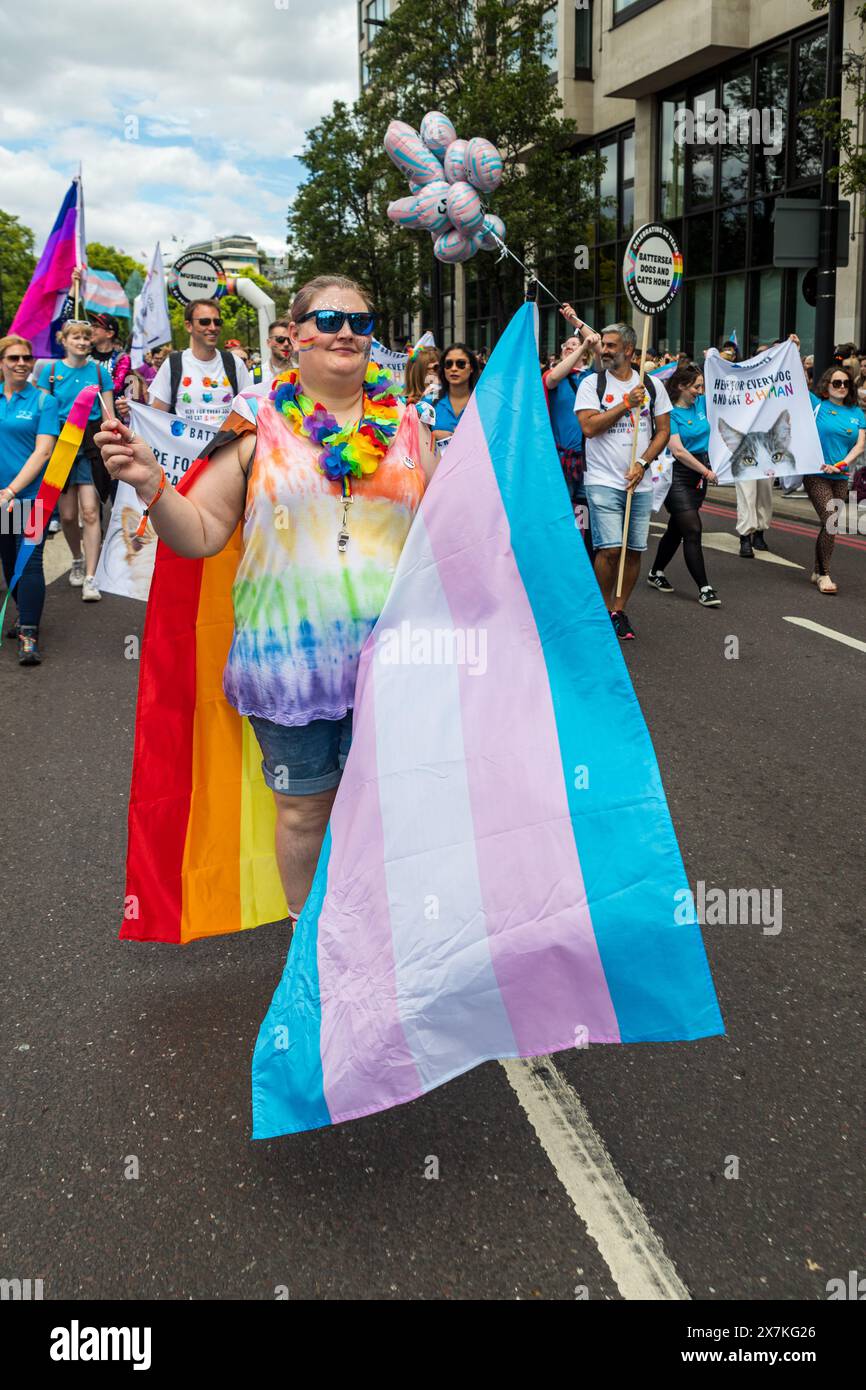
pixel 281 341
pixel 459 362
pixel 837 382
pixel 18 357
pixel 207 323
pixel 332 320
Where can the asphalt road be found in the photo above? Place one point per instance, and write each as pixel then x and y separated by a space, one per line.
pixel 113 1052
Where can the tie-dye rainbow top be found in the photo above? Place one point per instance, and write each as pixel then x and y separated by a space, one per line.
pixel 302 608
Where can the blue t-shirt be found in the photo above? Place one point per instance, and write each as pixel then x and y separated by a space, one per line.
pixel 691 424
pixel 68 381
pixel 838 427
pixel 445 417
pixel 23 415
pixel 563 420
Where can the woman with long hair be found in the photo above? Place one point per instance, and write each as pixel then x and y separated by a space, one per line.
pixel 458 373
pixel 326 476
pixel 422 372
pixel 689 441
pixel 842 432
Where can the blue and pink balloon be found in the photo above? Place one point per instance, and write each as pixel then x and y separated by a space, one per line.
pixel 446 176
pixel 437 132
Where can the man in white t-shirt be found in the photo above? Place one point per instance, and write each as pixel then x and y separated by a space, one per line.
pixel 200 383
pixel 606 404
pixel 278 359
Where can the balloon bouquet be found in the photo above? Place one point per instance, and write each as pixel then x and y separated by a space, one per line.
pixel 446 176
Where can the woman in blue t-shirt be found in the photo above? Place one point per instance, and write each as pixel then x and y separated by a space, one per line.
pixel 842 432
pixel 64 380
pixel 689 442
pixel 458 371
pixel 28 431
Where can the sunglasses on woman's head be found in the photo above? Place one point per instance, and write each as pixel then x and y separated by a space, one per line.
pixel 332 320
pixel 459 362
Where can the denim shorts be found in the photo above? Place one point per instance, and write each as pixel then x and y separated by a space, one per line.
pixel 606 512
pixel 80 472
pixel 301 759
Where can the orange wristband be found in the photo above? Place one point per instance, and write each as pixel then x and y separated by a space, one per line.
pixel 142 525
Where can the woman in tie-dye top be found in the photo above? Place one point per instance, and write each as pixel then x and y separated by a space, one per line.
pixel 326 475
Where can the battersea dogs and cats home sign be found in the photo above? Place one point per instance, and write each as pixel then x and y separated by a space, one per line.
pixel 761 419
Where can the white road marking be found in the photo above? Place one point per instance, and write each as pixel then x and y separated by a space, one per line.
pixel 723 540
pixel 829 632
pixel 614 1219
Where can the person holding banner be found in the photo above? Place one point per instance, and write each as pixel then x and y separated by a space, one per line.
pixel 200 383
pixel 606 404
pixel 308 590
pixel 842 432
pixel 690 438
pixel 29 426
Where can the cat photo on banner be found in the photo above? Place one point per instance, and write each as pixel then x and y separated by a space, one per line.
pixel 761 419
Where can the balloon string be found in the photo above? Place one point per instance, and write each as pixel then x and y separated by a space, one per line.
pixel 531 273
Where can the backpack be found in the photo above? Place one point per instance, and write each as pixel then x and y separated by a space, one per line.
pixel 175 367
pixel 601 387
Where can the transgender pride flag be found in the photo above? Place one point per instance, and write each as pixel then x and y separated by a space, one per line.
pixel 40 311
pixel 500 877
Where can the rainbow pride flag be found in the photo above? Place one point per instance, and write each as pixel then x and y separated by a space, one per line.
pixel 200 851
pixel 53 481
pixel 500 876
pixel 40 311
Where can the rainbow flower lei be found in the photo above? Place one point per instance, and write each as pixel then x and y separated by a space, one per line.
pixel 355 449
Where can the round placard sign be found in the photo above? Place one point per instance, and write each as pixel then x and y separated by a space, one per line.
pixel 652 268
pixel 196 275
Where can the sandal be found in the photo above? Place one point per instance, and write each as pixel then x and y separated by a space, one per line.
pixel 826 585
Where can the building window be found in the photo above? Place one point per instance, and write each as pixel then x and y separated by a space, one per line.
pixel 583 40
pixel 717 192
pixel 550 39
pixel 375 13
pixel 623 10
pixel 596 290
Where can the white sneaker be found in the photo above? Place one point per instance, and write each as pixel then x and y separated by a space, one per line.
pixel 89 591
pixel 76 574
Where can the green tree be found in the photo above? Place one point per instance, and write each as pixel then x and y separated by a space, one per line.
pixel 486 66
pixel 338 220
pixel 17 264
pixel 115 262
pixel 850 172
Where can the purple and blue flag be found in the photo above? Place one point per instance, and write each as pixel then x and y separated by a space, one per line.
pixel 42 310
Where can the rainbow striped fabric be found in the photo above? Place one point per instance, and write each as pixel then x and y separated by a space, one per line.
pixel 53 481
pixel 200 857
pixel 500 876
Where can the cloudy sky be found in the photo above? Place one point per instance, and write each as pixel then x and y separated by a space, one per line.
pixel 219 95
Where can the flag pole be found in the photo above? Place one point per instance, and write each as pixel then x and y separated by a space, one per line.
pixel 78 239
pixel 634 443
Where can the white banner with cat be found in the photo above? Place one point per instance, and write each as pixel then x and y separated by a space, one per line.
pixel 761 420
pixel 126 563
